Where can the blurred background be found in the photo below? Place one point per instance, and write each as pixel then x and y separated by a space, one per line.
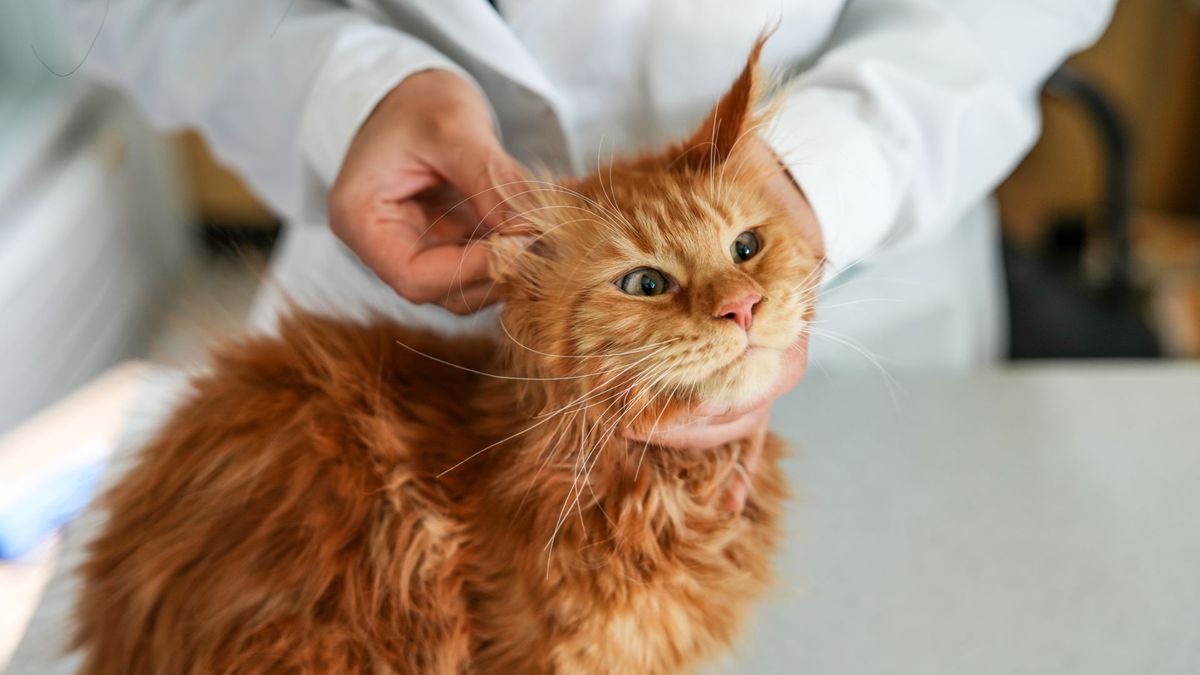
pixel 116 241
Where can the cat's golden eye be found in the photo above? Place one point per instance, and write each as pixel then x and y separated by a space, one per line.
pixel 745 247
pixel 643 281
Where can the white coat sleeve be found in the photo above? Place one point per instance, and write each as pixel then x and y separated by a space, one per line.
pixel 277 88
pixel 919 108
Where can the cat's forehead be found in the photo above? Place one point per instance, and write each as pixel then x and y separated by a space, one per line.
pixel 658 214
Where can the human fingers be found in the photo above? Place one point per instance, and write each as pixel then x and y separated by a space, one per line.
pixel 477 166
pixel 739 486
pixel 701 433
pixel 438 272
pixel 470 299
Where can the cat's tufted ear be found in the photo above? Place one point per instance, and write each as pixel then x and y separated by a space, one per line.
pixel 734 115
pixel 510 252
pixel 513 246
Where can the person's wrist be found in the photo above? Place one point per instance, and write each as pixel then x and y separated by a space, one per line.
pixel 446 101
pixel 364 62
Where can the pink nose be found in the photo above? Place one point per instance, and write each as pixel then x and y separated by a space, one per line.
pixel 740 311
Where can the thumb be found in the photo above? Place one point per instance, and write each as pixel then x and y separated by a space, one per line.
pixel 486 176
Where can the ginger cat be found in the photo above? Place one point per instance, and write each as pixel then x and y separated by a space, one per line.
pixel 348 498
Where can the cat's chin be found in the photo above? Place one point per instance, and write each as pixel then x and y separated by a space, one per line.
pixel 747 378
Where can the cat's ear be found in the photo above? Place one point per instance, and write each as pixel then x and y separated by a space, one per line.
pixel 728 123
pixel 520 237
pixel 510 252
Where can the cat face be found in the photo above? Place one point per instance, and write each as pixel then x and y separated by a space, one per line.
pixel 674 274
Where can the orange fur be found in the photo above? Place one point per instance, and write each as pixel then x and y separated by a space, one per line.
pixel 375 499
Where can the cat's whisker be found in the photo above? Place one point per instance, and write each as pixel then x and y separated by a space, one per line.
pixel 568 502
pixel 556 378
pixel 889 381
pixel 554 187
pixel 607 389
pixel 600 178
pixel 808 281
pixel 651 397
pixel 614 382
pixel 492 445
pixel 603 441
pixel 725 181
pixel 654 429
pixel 591 218
pixel 582 458
pixel 564 415
pixel 607 393
pixel 712 156
pixel 859 301
pixel 504 440
pixel 554 441
pixel 472 240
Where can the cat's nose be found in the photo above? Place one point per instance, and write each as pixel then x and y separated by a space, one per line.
pixel 740 311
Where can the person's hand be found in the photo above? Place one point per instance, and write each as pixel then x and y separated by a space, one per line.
pixel 715 423
pixel 418 185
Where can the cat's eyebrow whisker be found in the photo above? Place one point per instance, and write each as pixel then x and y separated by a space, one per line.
pixel 554 187
pixel 467 199
pixel 543 187
pixel 600 174
pixel 723 181
pixel 809 279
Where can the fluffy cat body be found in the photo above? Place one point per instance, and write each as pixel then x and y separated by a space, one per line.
pixel 348 498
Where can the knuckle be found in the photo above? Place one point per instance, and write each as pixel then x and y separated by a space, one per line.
pixel 449 123
pixel 458 308
pixel 412 294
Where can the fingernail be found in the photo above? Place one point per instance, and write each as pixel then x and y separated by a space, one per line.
pixel 713 409
pixel 735 499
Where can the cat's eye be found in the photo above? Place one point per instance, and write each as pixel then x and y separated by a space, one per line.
pixel 745 247
pixel 644 281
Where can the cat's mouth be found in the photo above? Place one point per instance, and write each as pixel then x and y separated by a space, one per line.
pixel 749 352
pixel 745 373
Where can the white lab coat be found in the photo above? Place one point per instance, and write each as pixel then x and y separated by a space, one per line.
pixel 902 117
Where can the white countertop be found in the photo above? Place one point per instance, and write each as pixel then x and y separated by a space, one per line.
pixel 1032 520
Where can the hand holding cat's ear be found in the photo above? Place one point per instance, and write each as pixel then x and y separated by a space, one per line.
pixel 418 189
